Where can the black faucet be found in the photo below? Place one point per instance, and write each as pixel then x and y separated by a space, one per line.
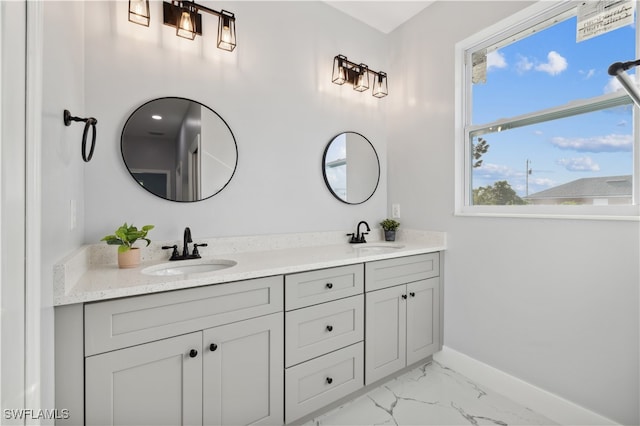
pixel 358 238
pixel 186 239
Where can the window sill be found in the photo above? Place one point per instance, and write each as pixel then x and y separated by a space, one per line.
pixel 618 213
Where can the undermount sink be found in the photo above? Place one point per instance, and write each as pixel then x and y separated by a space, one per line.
pixel 197 267
pixel 376 248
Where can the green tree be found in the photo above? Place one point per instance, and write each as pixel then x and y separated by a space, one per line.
pixel 479 149
pixel 498 194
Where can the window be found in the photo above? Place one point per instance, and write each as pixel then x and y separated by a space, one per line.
pixel 542 127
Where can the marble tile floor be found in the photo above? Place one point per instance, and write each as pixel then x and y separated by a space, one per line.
pixel 431 394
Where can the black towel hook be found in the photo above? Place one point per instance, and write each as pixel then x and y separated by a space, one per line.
pixel 89 122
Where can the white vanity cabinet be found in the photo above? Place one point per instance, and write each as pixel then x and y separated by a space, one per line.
pixel 402 313
pixel 324 332
pixel 208 355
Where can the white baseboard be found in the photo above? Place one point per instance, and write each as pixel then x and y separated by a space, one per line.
pixel 549 405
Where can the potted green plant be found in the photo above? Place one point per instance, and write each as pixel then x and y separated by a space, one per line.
pixel 124 237
pixel 390 226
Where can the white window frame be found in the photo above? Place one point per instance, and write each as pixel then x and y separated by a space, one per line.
pixel 463 155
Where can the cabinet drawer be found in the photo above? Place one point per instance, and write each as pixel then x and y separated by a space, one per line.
pixel 126 322
pixel 402 270
pixel 317 330
pixel 321 381
pixel 311 288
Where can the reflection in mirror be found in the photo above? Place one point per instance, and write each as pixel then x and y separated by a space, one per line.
pixel 351 168
pixel 179 149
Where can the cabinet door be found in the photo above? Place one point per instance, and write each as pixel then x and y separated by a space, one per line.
pixel 385 341
pixel 423 319
pixel 157 383
pixel 243 372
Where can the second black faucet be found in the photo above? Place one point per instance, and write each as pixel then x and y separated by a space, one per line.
pixel 358 238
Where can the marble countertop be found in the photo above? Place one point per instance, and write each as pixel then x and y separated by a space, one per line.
pixel 95 281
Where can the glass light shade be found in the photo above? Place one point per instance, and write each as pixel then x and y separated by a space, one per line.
pixel 139 12
pixel 380 89
pixel 226 31
pixel 186 26
pixel 339 70
pixel 361 82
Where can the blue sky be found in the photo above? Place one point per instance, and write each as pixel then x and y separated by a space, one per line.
pixel 545 70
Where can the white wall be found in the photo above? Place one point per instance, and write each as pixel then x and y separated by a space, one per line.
pixel 62 165
pixel 553 302
pixel 274 91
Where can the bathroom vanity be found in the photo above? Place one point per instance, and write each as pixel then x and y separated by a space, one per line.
pixel 282 334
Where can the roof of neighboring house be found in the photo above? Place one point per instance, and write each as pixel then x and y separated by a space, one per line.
pixel 597 187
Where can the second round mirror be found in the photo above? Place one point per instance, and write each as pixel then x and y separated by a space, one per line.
pixel 351 168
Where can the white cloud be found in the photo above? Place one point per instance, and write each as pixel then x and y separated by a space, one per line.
pixel 524 65
pixel 607 143
pixel 496 59
pixel 622 123
pixel 555 64
pixel 494 171
pixel 612 86
pixel 588 74
pixel 579 164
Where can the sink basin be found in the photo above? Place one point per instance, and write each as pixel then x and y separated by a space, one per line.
pixel 377 248
pixel 179 267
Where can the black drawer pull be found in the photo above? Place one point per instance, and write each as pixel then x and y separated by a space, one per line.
pixel 329 285
pixel 213 347
pixel 412 294
pixel 193 353
pixel 329 380
pixel 329 328
pixel 404 296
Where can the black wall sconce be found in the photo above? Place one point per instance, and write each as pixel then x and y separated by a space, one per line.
pixel 345 71
pixel 184 17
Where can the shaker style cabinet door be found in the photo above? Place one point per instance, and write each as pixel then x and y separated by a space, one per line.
pixel 157 383
pixel 243 372
pixel 386 324
pixel 423 319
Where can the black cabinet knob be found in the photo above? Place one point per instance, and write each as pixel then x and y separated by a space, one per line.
pixel 193 353
pixel 404 296
pixel 329 285
pixel 329 380
pixel 213 347
pixel 329 328
pixel 412 294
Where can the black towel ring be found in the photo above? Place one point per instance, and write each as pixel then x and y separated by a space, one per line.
pixel 88 122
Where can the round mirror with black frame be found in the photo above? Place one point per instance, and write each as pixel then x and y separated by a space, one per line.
pixel 351 168
pixel 179 149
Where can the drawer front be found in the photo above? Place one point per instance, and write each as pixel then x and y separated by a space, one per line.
pixel 402 270
pixel 317 330
pixel 312 385
pixel 311 288
pixel 131 321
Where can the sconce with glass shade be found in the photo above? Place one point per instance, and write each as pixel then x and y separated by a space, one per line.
pixel 139 12
pixel 227 31
pixel 186 24
pixel 185 17
pixel 358 75
pixel 380 89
